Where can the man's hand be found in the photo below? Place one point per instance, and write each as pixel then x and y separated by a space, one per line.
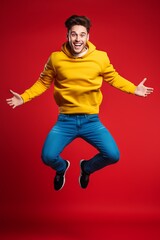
pixel 15 101
pixel 142 90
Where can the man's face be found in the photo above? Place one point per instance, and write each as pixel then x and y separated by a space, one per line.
pixel 77 38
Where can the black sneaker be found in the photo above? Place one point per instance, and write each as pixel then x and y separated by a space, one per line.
pixel 59 179
pixel 84 177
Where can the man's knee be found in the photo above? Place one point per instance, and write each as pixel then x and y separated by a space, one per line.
pixel 114 156
pixel 47 158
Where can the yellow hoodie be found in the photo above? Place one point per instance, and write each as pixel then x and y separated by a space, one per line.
pixel 77 80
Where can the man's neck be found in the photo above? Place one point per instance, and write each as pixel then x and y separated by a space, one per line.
pixel 81 54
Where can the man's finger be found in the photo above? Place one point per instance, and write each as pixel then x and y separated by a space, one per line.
pixel 9 99
pixel 150 90
pixel 11 91
pixel 14 93
pixel 144 80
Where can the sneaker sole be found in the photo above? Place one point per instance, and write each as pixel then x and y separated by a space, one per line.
pixel 65 174
pixel 80 173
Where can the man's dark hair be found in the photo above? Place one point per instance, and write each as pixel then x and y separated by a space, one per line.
pixel 78 20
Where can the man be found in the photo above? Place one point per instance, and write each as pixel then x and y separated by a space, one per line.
pixel 77 71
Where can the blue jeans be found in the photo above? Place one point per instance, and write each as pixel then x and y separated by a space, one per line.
pixel 86 126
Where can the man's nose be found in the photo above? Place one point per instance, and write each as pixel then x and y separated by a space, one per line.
pixel 77 37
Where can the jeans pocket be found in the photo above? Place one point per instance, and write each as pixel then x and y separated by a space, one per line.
pixel 62 117
pixel 92 117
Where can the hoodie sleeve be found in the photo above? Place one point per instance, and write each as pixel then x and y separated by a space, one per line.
pixel 42 84
pixel 111 76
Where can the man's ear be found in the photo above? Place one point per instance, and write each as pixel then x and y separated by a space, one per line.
pixel 88 37
pixel 67 36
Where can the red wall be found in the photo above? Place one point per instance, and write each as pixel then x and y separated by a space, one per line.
pixel 129 32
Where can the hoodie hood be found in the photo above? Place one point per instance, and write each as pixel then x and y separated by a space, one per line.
pixel 65 49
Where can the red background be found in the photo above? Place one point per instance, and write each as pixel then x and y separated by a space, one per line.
pixel 123 200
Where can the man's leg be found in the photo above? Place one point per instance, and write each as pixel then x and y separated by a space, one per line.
pixel 58 138
pixel 98 136
pixel 95 133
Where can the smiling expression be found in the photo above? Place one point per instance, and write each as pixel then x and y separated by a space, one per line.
pixel 77 38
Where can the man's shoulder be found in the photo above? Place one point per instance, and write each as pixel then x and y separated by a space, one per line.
pixel 56 55
pixel 101 54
